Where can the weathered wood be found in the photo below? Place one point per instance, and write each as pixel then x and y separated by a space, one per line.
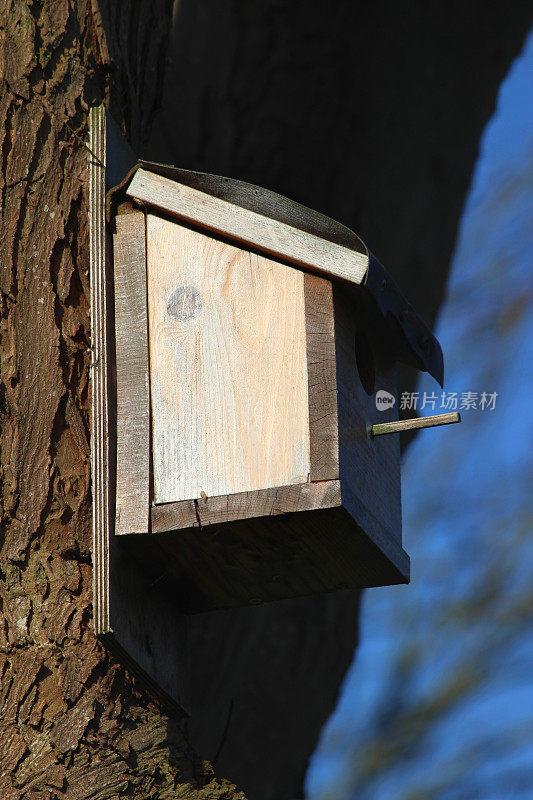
pixel 99 364
pixel 133 392
pixel 245 505
pixel 412 424
pixel 268 235
pixel 322 378
pixel 228 369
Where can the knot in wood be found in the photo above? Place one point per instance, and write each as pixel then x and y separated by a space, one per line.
pixel 184 303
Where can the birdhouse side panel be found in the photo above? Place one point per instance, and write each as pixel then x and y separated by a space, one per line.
pixel 369 466
pixel 322 377
pixel 228 367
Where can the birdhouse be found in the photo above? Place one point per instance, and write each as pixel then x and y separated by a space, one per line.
pixel 256 345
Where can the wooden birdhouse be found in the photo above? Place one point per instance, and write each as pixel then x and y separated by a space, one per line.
pixel 256 344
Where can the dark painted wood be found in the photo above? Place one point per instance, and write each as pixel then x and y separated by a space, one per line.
pixel 248 562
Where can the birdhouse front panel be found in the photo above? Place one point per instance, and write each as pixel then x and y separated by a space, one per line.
pixel 228 367
pixel 253 344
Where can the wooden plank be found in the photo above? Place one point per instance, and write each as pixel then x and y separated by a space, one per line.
pixel 245 505
pixel 133 400
pixel 322 378
pixel 273 237
pixel 99 370
pixel 228 367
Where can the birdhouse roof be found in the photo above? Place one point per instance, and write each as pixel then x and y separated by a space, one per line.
pixel 269 222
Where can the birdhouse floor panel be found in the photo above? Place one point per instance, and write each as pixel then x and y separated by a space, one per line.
pixel 247 562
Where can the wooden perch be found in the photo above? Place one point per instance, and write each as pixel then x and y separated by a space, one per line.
pixel 418 422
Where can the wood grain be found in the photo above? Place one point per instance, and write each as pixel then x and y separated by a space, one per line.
pixel 322 378
pixel 245 505
pixel 268 235
pixel 228 369
pixel 133 393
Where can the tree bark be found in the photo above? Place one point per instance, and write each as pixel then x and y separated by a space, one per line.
pixel 73 722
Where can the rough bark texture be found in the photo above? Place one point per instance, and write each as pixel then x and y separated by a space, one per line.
pixel 73 723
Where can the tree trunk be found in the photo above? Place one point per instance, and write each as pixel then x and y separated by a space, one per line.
pixel 73 722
